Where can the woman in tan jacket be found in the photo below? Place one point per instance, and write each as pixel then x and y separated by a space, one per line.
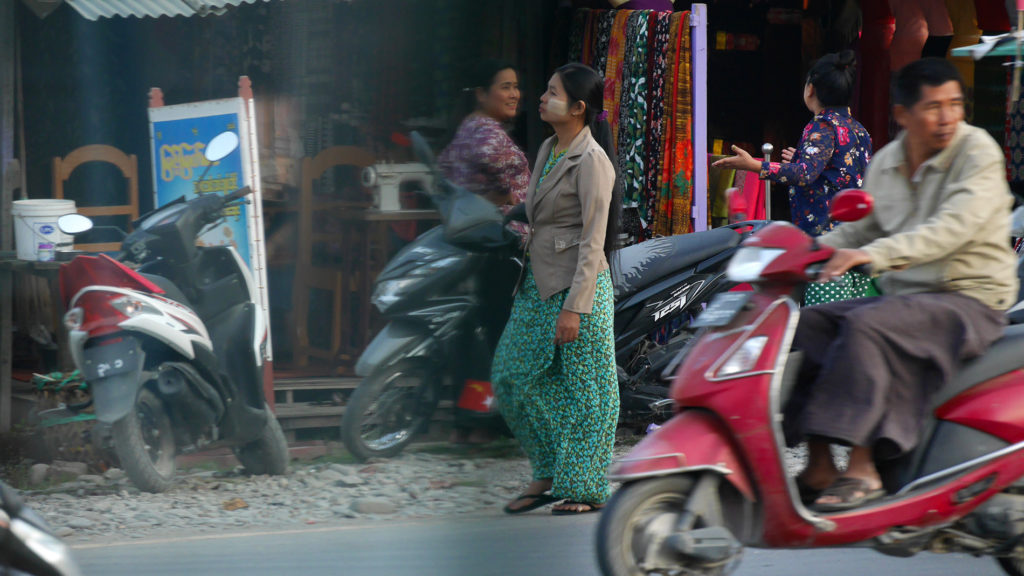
pixel 554 371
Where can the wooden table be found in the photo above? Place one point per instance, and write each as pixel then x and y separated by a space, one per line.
pixel 9 267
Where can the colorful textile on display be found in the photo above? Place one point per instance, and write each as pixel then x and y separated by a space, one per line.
pixel 674 215
pixel 613 69
pixel 645 59
pixel 605 21
pixel 662 225
pixel 657 58
pixel 633 114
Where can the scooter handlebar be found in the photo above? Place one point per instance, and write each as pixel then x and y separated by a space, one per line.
pixel 238 194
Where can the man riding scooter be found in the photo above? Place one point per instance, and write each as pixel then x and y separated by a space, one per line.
pixel 937 238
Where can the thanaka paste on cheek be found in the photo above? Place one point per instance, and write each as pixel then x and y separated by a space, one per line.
pixel 558 108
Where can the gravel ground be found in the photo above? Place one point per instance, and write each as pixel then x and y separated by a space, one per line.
pixel 428 482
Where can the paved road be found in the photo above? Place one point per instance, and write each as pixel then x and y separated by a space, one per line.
pixel 532 545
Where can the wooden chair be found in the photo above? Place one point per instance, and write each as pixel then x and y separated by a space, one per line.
pixel 128 164
pixel 309 276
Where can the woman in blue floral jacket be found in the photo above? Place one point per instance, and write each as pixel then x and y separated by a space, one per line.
pixel 832 154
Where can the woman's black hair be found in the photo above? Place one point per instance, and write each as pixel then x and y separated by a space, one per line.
pixel 832 76
pixel 480 75
pixel 583 84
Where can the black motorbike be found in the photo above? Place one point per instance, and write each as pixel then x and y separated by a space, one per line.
pixel 448 294
pixel 27 544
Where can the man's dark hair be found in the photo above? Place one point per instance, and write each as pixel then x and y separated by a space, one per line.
pixel 906 86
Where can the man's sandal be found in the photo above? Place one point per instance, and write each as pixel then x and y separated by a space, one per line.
pixel 577 508
pixel 542 499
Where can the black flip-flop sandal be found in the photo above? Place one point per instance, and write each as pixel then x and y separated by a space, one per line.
pixel 589 507
pixel 852 493
pixel 542 499
pixel 807 494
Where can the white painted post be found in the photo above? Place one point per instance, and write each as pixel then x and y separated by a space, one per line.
pixel 699 67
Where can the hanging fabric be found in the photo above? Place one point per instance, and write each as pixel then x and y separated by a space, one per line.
pixel 605 21
pixel 579 19
pixel 657 60
pixel 633 113
pixel 613 69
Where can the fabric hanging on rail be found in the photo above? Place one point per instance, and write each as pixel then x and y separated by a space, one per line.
pixel 645 59
pixel 613 69
pixel 605 21
pixel 681 176
pixel 1013 143
pixel 579 19
pixel 657 59
pixel 633 114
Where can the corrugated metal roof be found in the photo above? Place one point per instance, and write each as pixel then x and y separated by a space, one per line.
pixel 96 9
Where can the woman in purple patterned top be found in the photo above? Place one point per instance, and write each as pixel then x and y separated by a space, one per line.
pixel 482 157
pixel 833 151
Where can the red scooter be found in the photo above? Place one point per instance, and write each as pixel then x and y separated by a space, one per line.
pixel 713 479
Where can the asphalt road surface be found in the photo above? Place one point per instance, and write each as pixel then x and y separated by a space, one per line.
pixel 536 544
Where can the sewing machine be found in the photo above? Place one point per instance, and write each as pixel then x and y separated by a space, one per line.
pixel 387 179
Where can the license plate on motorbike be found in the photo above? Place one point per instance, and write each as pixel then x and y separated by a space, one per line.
pixel 722 309
pixel 111 359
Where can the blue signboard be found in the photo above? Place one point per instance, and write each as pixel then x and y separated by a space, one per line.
pixel 180 169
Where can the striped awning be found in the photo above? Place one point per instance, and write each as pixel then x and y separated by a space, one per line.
pixel 96 9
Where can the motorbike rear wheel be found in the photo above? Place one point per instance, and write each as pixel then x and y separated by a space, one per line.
pixel 638 519
pixel 389 408
pixel 267 454
pixel 144 442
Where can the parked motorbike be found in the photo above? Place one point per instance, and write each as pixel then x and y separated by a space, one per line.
pixel 27 544
pixel 169 338
pixel 713 478
pixel 448 294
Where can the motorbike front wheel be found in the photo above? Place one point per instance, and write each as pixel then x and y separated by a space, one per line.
pixel 144 442
pixel 640 518
pixel 389 408
pixel 267 454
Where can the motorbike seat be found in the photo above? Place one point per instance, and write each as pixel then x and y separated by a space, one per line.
pixel 171 291
pixel 1005 355
pixel 640 265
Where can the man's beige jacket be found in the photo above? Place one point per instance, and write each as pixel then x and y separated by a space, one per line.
pixel 944 229
pixel 568 215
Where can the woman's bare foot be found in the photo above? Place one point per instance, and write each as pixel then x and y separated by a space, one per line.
pixel 821 470
pixel 860 483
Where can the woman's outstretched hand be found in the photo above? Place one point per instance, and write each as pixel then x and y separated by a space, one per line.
pixel 741 161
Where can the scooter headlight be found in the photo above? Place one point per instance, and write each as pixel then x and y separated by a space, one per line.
pixel 130 306
pixel 744 358
pixel 73 318
pixel 387 292
pixel 749 262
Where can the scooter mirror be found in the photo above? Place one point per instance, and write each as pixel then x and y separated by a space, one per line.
pixel 221 145
pixel 422 149
pixel 851 205
pixel 74 224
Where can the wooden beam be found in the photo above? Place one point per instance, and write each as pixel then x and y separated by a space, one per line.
pixel 10 177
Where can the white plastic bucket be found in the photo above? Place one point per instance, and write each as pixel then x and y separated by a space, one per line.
pixel 35 227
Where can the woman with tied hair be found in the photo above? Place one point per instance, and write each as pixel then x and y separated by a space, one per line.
pixel 483 159
pixel 554 370
pixel 832 154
